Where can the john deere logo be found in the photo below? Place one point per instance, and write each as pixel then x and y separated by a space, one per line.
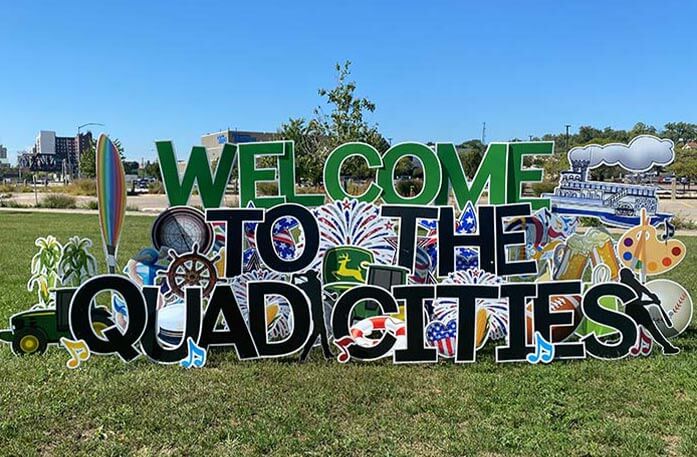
pixel 346 264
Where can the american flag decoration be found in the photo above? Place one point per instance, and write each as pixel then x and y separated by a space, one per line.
pixel 445 309
pixel 349 222
pixel 285 244
pixel 218 236
pixel 422 267
pixel 282 325
pixel 443 337
pixel 465 258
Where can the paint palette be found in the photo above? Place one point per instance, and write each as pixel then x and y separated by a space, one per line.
pixel 641 248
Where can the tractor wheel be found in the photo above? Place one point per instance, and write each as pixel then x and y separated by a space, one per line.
pixel 29 341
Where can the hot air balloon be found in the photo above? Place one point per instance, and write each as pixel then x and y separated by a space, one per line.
pixel 111 197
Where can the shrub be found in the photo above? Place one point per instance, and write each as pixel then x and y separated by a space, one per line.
pixel 543 187
pixel 267 188
pixel 92 204
pixel 156 188
pixel 58 201
pixel 684 224
pixel 11 204
pixel 589 221
pixel 408 187
pixel 82 187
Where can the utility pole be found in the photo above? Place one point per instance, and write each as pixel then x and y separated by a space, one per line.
pixel 567 137
pixel 79 148
pixel 484 133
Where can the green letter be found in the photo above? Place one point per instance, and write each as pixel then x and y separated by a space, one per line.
pixel 198 170
pixel 250 174
pixel 286 167
pixel 516 174
pixel 431 169
pixel 332 171
pixel 492 169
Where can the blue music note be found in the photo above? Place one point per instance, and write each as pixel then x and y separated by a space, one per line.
pixel 197 355
pixel 544 350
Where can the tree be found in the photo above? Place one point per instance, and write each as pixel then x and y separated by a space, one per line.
pixel 642 129
pixel 316 138
pixel 311 148
pixel 152 170
pixel 88 163
pixel 680 132
pixel 471 153
pixel 130 167
pixel 685 164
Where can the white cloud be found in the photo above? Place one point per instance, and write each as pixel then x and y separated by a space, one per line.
pixel 642 153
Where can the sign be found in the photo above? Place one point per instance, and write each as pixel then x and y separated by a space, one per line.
pixel 375 275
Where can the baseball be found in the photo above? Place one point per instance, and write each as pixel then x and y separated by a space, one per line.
pixel 677 303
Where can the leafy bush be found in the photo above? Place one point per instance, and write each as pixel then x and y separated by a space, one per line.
pixel 92 204
pixel 407 187
pixel 684 224
pixel 82 187
pixel 156 188
pixel 543 187
pixel 589 221
pixel 267 188
pixel 11 204
pixel 58 201
pixel 12 188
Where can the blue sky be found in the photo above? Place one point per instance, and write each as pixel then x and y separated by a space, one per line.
pixel 436 70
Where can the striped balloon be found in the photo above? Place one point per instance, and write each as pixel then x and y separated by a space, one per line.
pixel 111 196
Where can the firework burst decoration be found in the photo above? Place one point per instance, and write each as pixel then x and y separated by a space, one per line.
pixel 282 321
pixel 353 223
pixel 445 309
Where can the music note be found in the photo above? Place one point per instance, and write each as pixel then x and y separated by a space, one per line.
pixel 544 350
pixel 343 344
pixel 78 350
pixel 643 345
pixel 197 355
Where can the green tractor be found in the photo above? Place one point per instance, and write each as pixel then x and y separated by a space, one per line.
pixel 33 330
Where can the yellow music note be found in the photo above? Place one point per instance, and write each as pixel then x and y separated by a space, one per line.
pixel 78 350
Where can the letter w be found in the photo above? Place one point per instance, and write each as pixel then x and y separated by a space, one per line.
pixel 210 187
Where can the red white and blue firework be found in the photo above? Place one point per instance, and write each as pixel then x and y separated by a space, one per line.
pixel 353 223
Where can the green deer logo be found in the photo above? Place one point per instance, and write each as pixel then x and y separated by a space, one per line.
pixel 345 272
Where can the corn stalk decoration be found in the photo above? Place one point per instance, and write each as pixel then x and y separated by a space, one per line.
pixel 44 269
pixel 77 264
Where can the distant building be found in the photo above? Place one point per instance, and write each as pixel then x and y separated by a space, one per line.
pixel 214 141
pixel 3 156
pixel 51 153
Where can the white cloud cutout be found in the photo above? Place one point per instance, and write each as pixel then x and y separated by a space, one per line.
pixel 642 153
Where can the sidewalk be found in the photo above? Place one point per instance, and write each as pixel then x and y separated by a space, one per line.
pixel 153 213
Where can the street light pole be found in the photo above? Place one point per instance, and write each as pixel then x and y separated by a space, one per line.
pixel 567 137
pixel 79 146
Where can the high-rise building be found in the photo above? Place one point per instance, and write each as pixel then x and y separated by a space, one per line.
pixel 3 156
pixel 53 153
pixel 214 141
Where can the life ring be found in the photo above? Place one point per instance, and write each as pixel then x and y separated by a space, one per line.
pixel 360 331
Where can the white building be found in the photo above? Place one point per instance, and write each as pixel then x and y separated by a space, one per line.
pixel 3 155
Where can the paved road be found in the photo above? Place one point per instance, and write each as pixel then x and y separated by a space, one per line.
pixel 155 203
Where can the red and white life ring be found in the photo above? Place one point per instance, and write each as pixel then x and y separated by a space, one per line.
pixel 360 331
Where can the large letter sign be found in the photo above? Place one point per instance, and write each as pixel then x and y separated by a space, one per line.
pixel 460 264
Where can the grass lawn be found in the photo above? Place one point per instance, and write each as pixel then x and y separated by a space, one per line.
pixel 638 406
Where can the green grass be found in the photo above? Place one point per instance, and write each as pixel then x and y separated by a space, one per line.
pixel 640 406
